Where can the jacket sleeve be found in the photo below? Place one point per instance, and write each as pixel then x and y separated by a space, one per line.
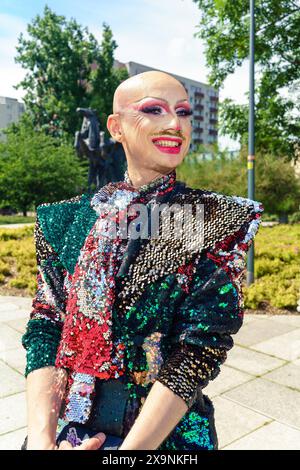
pixel 210 314
pixel 43 331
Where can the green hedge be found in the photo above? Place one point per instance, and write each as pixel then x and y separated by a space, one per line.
pixel 276 268
pixel 18 261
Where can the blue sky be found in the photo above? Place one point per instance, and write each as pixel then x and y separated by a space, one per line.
pixel 157 33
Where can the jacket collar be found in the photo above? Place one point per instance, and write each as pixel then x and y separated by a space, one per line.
pixel 154 186
pixel 121 194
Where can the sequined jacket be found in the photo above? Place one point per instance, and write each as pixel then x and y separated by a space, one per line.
pixel 174 314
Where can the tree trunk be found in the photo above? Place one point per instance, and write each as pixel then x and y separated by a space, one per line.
pixel 24 212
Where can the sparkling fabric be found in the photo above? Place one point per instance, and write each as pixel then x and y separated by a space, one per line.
pixel 47 315
pixel 147 310
pixel 192 433
pixel 87 332
pixel 188 367
pixel 79 402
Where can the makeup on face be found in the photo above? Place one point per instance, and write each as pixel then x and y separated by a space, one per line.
pixel 166 146
pixel 159 106
pixel 166 141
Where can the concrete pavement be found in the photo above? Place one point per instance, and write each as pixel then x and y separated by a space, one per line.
pixel 256 395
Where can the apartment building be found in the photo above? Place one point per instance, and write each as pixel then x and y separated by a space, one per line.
pixel 10 111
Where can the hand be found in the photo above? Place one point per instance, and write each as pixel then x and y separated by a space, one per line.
pixel 93 443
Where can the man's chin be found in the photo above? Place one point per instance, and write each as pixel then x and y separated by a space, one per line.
pixel 160 163
pixel 170 161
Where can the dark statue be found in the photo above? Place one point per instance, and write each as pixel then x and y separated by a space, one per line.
pixel 107 161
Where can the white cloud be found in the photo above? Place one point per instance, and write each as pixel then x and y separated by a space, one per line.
pixel 161 36
pixel 236 85
pixel 177 47
pixel 9 24
pixel 10 27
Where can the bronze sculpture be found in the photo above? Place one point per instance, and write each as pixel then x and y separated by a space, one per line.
pixel 107 162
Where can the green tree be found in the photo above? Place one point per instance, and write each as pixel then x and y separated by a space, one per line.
pixel 224 28
pixel 210 168
pixel 105 79
pixel 35 168
pixel 277 186
pixel 66 68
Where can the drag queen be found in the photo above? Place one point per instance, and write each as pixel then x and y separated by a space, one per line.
pixel 129 324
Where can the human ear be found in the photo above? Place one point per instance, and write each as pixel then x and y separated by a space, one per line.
pixel 114 127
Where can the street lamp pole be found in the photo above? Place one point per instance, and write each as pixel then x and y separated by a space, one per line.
pixel 251 135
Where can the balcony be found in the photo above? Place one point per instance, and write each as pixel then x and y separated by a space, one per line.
pixel 198 141
pixel 198 130
pixel 213 121
pixel 213 132
pixel 213 110
pixel 198 118
pixel 198 107
pixel 199 94
pixel 214 98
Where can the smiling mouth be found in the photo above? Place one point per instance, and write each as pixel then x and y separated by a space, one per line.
pixel 168 142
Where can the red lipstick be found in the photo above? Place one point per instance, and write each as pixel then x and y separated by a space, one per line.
pixel 167 149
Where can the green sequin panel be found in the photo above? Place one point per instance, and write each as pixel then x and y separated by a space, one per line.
pixel 66 225
pixel 191 433
pixel 41 341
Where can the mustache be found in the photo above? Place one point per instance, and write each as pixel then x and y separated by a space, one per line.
pixel 171 134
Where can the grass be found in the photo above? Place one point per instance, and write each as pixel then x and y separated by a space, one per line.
pixel 16 219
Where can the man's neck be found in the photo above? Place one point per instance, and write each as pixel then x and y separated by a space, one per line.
pixel 140 177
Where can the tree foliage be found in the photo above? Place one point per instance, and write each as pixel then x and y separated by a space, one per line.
pixel 66 68
pixel 224 27
pixel 213 169
pixel 36 168
pixel 277 186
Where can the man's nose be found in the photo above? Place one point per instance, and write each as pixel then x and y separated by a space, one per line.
pixel 175 122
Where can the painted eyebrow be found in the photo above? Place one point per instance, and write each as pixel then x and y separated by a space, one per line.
pixel 161 99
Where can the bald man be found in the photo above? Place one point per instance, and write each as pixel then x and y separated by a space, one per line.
pixel 135 125
pixel 126 331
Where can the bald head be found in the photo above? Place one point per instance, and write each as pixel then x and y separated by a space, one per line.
pixel 144 84
pixel 151 104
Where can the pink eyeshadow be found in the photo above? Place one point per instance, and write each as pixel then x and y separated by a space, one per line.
pixel 152 102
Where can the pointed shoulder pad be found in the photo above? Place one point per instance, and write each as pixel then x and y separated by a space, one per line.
pixel 65 225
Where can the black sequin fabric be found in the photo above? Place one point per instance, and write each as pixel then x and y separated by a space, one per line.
pixel 189 367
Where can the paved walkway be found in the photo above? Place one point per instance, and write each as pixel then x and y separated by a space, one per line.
pixel 256 395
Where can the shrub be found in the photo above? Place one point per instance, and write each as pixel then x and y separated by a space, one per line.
pixel 18 260
pixel 295 218
pixel 276 268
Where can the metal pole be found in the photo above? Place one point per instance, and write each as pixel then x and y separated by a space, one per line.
pixel 251 136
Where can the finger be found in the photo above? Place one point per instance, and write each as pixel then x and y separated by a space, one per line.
pixel 65 445
pixel 93 443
